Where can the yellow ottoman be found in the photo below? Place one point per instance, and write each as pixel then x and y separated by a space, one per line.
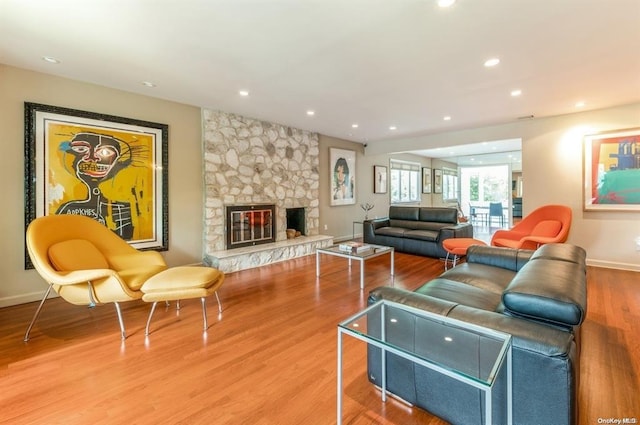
pixel 180 283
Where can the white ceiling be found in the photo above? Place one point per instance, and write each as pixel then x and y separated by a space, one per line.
pixel 480 154
pixel 377 63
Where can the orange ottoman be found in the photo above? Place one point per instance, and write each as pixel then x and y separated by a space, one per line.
pixel 458 248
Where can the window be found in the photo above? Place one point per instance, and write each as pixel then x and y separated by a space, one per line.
pixel 449 185
pixel 405 178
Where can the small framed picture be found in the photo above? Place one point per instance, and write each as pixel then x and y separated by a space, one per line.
pixel 343 176
pixel 426 180
pixel 379 179
pixel 437 181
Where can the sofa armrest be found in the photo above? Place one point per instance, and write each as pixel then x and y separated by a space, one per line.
pixel 550 291
pixel 505 258
pixel 369 227
pixel 460 230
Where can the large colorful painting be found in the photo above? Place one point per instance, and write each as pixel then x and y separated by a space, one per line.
pixel 612 171
pixel 109 168
pixel 343 176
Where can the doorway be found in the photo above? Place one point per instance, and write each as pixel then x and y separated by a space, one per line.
pixel 485 197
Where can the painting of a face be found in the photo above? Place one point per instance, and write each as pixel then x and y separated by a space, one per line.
pixel 95 155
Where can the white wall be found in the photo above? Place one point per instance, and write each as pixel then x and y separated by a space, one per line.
pixel 339 219
pixel 185 165
pixel 552 171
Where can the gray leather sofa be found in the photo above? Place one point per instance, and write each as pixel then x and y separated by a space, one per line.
pixel 539 297
pixel 416 230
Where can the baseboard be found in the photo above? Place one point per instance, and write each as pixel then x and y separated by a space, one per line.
pixel 24 298
pixel 613 265
pixel 347 238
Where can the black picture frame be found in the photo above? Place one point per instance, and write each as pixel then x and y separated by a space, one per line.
pixel 61 143
pixel 380 179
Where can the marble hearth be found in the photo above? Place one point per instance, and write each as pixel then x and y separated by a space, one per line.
pixel 233 260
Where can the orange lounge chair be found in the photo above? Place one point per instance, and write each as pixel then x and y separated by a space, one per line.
pixel 546 224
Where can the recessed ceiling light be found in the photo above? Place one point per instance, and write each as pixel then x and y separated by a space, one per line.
pixel 447 118
pixel 446 3
pixel 580 104
pixel 491 62
pixel 354 125
pixel 516 93
pixel 50 59
pixel 393 127
pixel 148 84
pixel 243 93
pixel 311 113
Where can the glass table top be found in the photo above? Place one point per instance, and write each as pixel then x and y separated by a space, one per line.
pixel 462 348
pixel 374 251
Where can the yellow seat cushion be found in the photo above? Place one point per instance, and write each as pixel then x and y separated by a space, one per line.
pixel 181 283
pixel 76 254
pixel 136 277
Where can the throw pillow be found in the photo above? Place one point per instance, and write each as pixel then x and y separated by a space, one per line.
pixel 76 254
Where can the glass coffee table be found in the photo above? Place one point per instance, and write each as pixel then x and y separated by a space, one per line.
pixel 463 351
pixel 375 251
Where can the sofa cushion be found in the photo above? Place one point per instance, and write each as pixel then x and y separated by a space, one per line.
pixel 418 225
pixel 407 224
pixel 562 252
pixel 547 228
pixel 76 254
pixel 461 293
pixel 403 213
pixel 548 290
pixel 423 235
pixel 438 215
pixel 391 231
pixel 483 276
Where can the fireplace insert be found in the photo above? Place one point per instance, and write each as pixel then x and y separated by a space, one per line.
pixel 249 225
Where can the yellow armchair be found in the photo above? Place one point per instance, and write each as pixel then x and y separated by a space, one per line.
pixel 87 264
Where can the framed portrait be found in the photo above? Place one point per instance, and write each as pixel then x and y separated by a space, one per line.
pixel 342 167
pixel 611 171
pixel 379 179
pixel 426 180
pixel 437 181
pixel 112 169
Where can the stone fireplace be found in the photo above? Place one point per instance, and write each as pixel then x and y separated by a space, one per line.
pixel 247 161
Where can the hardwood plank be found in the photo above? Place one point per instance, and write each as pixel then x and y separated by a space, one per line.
pixel 269 358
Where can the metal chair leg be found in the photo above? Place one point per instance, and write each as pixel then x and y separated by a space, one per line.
pixel 219 304
pixel 37 313
pixel 122 332
pixel 153 308
pixel 204 312
pixel 92 301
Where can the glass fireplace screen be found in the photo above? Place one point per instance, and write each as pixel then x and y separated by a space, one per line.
pixel 250 225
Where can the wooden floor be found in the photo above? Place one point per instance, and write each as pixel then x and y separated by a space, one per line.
pixel 270 358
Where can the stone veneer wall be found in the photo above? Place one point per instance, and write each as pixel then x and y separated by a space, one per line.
pixel 247 161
